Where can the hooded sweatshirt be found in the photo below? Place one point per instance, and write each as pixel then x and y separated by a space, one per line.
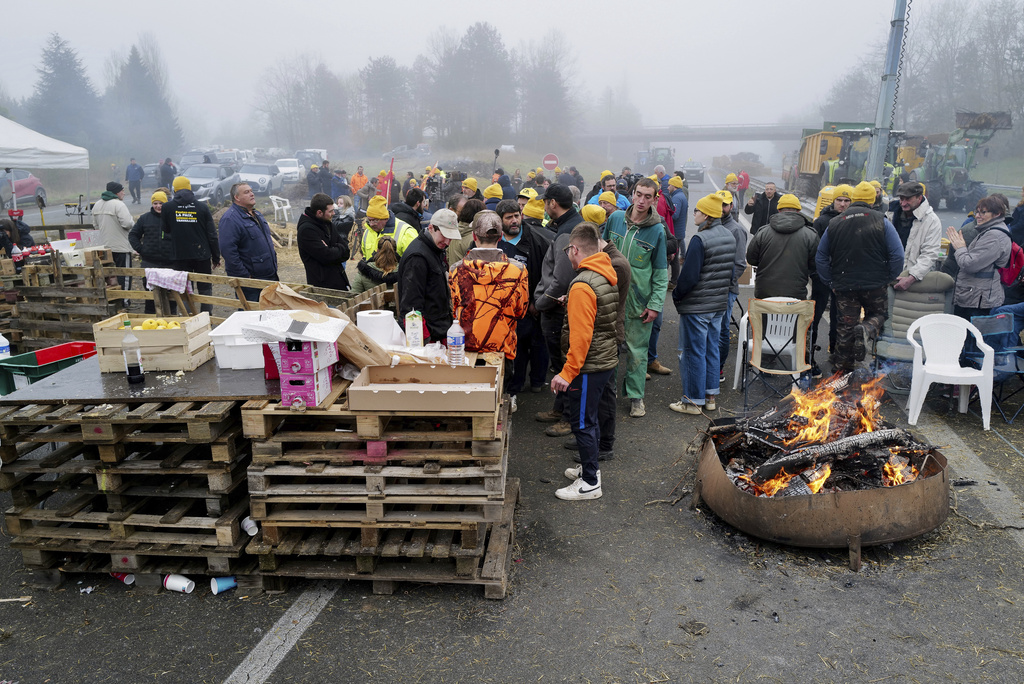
pixel 591 311
pixel 784 256
pixel 489 295
pixel 643 245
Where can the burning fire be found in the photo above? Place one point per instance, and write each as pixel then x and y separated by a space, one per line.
pixel 898 470
pixel 815 415
pixel 776 484
pixel 816 483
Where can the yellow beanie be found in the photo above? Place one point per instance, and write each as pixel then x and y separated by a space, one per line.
pixel 382 173
pixel 731 178
pixel 558 169
pixel 534 209
pixel 726 196
pixel 606 172
pixel 532 174
pixel 470 183
pixel 426 170
pixel 676 182
pixel 378 208
pixel 864 192
pixel 608 197
pixel 492 191
pixel 842 190
pixel 876 184
pixel 594 214
pixel 314 166
pixel 710 205
pixel 158 196
pixel 789 201
pixel 181 183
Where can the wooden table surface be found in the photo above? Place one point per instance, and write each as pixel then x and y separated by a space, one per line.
pixel 83 382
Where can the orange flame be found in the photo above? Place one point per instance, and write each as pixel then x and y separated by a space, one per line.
pixel 898 470
pixel 816 484
pixel 814 407
pixel 870 402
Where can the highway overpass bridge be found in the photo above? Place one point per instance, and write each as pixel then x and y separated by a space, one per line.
pixel 722 133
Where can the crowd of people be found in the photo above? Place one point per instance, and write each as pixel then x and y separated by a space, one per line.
pixel 565 279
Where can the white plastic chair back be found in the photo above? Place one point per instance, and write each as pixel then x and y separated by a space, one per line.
pixel 282 208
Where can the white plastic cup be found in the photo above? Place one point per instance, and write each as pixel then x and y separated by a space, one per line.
pixel 125 577
pixel 179 583
pixel 219 584
pixel 250 526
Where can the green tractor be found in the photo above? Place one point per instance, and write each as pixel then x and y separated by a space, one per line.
pixel 946 172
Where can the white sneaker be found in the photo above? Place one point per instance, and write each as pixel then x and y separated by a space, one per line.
pixel 579 490
pixel 513 408
pixel 637 408
pixel 576 472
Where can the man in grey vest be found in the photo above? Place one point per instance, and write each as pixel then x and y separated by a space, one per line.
pixel 591 354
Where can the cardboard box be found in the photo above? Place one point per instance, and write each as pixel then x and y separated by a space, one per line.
pixel 432 389
pixel 298 356
pixel 6 267
pixel 302 389
pixel 229 344
pixel 184 349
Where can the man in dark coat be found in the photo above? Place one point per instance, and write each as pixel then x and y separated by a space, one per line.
pixel 763 206
pixel 325 178
pixel 190 223
pixel 245 240
pixel 423 276
pixel 411 210
pixel 167 173
pixel 134 174
pixel 322 248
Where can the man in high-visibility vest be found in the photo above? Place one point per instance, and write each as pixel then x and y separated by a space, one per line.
pixel 380 222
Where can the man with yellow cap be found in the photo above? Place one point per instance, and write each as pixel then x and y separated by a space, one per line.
pixel 147 237
pixel 471 190
pixel 842 196
pixel 732 184
pixel 190 225
pixel 859 255
pixel 701 296
pixel 607 184
pixel 492 195
pixel 313 180
pixel 381 222
pixel 783 253
pixel 639 234
pixel 524 196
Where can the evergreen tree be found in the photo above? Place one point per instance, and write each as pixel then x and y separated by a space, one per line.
pixel 139 118
pixel 64 104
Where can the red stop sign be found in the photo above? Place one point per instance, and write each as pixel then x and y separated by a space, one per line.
pixel 550 162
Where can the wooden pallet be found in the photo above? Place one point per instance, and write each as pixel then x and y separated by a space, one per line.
pixel 312 558
pixel 82 555
pixel 111 426
pixel 154 520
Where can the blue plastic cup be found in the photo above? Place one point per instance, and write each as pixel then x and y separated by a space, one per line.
pixel 220 584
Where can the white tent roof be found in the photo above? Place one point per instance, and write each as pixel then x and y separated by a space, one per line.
pixel 23 147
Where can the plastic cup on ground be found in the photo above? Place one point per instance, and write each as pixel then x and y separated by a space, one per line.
pixel 221 584
pixel 179 583
pixel 250 526
pixel 125 577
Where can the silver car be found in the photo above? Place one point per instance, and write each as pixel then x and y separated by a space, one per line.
pixel 211 181
pixel 291 168
pixel 264 179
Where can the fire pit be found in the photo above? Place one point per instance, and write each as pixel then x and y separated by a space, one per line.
pixel 823 470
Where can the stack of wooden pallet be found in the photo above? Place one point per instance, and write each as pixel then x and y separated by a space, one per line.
pixel 381 496
pixel 143 487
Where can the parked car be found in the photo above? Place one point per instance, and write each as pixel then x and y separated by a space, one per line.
pixel 693 171
pixel 211 181
pixel 290 169
pixel 196 156
pixel 309 157
pixel 151 179
pixel 407 152
pixel 27 186
pixel 264 179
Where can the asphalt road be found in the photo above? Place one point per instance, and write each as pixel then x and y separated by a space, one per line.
pixel 633 587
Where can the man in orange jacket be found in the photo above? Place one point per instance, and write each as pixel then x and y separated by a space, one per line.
pixel 591 354
pixel 489 293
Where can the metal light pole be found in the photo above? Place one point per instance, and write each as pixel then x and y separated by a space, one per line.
pixel 885 114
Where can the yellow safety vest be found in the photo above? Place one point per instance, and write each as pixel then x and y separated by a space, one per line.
pixel 403 233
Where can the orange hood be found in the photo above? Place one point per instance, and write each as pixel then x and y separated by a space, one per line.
pixel 601 263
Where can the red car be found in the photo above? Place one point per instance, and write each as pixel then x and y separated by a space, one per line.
pixel 27 186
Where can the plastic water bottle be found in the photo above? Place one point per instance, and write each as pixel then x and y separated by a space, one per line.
pixel 132 352
pixel 5 347
pixel 456 344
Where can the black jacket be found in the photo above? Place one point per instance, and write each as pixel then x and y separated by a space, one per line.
pixel 326 175
pixel 528 253
pixel 858 251
pixel 564 224
pixel 190 225
pixel 323 251
pixel 423 286
pixel 147 237
pixel 826 215
pixel 762 210
pixel 406 213
pixel 167 174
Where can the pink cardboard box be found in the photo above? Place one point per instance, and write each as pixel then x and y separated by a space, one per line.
pixel 303 389
pixel 307 357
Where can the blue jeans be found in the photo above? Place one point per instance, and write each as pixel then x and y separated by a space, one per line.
pixel 723 344
pixel 699 335
pixel 652 346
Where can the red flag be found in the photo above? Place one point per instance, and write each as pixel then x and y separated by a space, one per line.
pixel 389 180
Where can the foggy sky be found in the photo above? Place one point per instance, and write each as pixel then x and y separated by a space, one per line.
pixel 684 61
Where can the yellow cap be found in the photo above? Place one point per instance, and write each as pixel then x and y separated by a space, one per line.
pixel 181 183
pixel 731 178
pixel 864 192
pixel 607 196
pixel 725 195
pixel 378 208
pixel 492 191
pixel 842 190
pixel 606 172
pixel 470 183
pixel 313 166
pixel 594 214
pixel 532 174
pixel 158 196
pixel 534 209
pixel 675 182
pixel 528 193
pixel 789 201
pixel 710 205
pixel 876 184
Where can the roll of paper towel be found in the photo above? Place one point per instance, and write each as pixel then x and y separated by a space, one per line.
pixel 381 326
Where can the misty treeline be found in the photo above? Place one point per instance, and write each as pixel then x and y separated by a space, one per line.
pixel 463 90
pixel 966 56
pixel 132 117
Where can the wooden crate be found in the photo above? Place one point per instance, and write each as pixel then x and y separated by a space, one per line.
pixel 183 349
pixel 401 557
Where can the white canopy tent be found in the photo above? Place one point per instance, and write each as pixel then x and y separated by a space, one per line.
pixel 23 147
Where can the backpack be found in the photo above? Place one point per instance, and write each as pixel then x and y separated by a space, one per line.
pixel 1011 273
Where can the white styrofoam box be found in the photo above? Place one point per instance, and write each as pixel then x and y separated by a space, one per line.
pixel 229 344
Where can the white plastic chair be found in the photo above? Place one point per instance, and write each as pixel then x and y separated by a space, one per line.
pixel 779 330
pixel 942 341
pixel 282 207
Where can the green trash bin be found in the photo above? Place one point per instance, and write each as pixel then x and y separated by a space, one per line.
pixel 24 369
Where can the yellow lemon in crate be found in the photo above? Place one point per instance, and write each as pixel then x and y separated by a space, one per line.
pixel 174 325
pixel 149 324
pixel 161 321
pixel 161 327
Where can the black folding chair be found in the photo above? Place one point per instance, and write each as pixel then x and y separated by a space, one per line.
pixel 997 331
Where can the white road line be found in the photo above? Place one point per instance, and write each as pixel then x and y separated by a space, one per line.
pixel 282 637
pixel 1000 501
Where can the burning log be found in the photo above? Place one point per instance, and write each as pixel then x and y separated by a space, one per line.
pixel 832 450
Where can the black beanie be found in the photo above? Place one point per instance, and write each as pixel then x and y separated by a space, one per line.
pixel 114 187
